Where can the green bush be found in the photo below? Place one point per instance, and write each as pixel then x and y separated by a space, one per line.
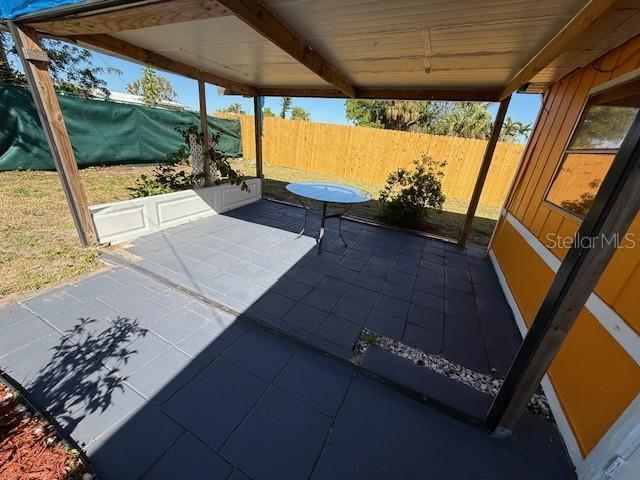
pixel 169 177
pixel 408 195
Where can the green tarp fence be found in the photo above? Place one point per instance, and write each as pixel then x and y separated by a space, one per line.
pixel 101 132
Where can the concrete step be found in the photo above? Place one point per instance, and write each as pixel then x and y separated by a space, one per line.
pixel 444 393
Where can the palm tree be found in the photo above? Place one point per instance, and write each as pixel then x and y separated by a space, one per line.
pixel 286 106
pixel 525 129
pixel 468 119
pixel 400 114
pixel 513 131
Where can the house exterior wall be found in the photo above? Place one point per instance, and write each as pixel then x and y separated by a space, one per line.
pixel 596 375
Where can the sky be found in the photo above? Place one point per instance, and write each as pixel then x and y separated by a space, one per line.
pixel 523 108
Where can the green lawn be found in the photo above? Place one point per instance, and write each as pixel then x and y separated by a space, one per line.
pixel 39 244
pixel 447 223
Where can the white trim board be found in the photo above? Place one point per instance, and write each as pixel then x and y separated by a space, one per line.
pixel 554 402
pixel 623 437
pixel 613 323
pixel 621 440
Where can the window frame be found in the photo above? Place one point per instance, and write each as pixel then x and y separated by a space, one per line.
pixel 594 93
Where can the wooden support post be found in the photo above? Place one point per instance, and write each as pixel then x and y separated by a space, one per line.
pixel 603 229
pixel 484 169
pixel 257 117
pixel 204 127
pixel 34 61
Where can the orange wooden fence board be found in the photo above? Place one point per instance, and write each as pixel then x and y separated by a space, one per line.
pixel 370 154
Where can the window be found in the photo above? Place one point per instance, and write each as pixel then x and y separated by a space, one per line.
pixel 600 131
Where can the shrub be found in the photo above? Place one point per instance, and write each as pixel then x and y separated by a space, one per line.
pixel 169 177
pixel 407 195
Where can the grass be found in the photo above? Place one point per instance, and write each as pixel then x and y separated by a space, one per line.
pixel 447 223
pixel 38 242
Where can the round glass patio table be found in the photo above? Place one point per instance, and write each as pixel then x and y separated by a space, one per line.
pixel 327 193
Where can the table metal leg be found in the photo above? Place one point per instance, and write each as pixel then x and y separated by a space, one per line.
pixel 340 231
pixel 306 213
pixel 322 223
pixel 321 234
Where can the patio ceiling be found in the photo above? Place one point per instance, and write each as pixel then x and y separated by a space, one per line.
pixel 369 49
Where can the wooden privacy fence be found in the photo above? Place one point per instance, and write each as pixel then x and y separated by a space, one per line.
pixel 370 154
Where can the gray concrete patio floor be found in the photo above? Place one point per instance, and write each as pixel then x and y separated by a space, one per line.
pixel 426 293
pixel 154 384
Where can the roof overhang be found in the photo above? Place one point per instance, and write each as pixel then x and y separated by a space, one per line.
pixel 463 50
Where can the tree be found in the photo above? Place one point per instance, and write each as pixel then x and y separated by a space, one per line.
pixel 267 112
pixel 514 131
pixel 299 113
pixel 466 119
pixel 399 114
pixel 362 113
pixel 71 68
pixel 234 108
pixel 389 114
pixel 462 119
pixel 153 88
pixel 286 106
pixel 525 130
pixel 7 72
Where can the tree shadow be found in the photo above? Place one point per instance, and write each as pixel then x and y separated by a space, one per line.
pixel 76 382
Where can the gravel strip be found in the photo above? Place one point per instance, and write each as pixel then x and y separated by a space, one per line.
pixel 482 382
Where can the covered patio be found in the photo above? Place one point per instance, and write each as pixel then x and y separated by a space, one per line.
pixel 228 343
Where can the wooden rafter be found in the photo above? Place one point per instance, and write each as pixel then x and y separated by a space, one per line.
pixel 123 48
pixel 132 17
pixel 266 23
pixel 379 93
pixel 579 24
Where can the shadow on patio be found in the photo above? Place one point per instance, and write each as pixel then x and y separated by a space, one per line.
pixel 157 383
pixel 429 295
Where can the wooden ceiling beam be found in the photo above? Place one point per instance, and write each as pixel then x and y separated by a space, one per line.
pixel 378 93
pixel 128 50
pixel 578 25
pixel 429 94
pixel 266 23
pixel 133 17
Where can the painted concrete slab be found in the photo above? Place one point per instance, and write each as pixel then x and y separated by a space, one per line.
pixel 147 392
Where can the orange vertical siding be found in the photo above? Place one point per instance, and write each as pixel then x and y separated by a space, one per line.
pixel 593 375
